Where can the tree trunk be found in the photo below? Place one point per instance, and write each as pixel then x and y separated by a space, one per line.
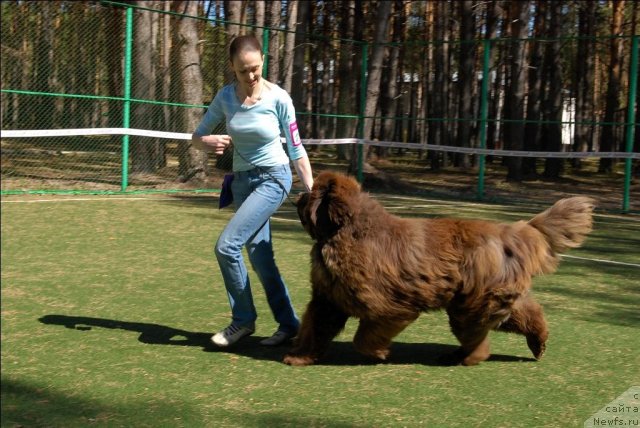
pixel 494 14
pixel 314 66
pixel 390 80
pixel 159 46
pixel 192 162
pixel 465 80
pixel 452 28
pixel 298 93
pixel 274 12
pixel 324 84
pixel 551 136
pixel 536 66
pixel 439 130
pixel 143 87
pixel 232 16
pixel 164 82
pixel 375 73
pixel 515 95
pixel 289 44
pixel 636 144
pixel 607 138
pixel 584 78
pixel 348 71
pixel 113 23
pixel 427 73
pixel 43 53
pixel 260 17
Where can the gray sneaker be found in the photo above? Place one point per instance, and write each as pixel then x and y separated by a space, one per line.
pixel 278 338
pixel 231 335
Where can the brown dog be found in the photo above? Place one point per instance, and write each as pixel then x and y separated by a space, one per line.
pixel 386 270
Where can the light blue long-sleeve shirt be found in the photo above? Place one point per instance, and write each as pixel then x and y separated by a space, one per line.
pixel 255 130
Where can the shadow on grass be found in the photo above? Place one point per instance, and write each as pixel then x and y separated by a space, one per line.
pixel 25 405
pixel 338 354
pixel 30 405
pixel 614 301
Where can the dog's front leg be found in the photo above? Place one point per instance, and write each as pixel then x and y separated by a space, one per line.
pixel 321 322
pixel 374 336
pixel 471 329
pixel 527 318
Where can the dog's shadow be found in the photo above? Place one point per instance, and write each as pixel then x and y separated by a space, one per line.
pixel 338 354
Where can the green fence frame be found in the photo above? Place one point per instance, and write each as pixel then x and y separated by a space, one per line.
pixel 483 119
pixel 126 115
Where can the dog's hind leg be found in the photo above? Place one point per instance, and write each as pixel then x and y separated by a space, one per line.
pixel 527 318
pixel 373 337
pixel 471 320
pixel 321 322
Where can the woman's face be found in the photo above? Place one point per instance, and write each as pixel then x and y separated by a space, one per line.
pixel 247 66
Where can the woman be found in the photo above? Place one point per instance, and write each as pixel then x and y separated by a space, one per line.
pixel 255 112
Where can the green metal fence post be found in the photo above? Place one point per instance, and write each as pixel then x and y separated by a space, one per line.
pixel 631 119
pixel 265 52
pixel 363 102
pixel 128 45
pixel 484 96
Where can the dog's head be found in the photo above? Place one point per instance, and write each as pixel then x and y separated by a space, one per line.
pixel 331 204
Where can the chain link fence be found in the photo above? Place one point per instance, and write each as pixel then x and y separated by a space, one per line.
pixel 94 65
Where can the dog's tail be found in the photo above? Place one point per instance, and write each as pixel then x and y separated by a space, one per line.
pixel 517 251
pixel 566 224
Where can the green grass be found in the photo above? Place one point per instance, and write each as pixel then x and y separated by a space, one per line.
pixel 108 305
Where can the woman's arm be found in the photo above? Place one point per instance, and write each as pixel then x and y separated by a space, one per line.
pixel 202 139
pixel 303 168
pixel 211 143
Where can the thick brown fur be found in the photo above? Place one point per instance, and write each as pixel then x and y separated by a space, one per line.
pixel 385 270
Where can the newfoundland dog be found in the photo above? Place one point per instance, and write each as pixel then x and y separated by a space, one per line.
pixel 386 270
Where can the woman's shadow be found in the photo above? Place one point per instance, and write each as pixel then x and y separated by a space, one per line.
pixel 338 354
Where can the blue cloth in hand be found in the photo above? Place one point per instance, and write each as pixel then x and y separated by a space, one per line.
pixel 226 196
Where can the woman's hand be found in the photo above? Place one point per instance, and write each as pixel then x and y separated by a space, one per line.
pixel 303 168
pixel 212 143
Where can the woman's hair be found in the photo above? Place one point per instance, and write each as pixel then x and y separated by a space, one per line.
pixel 244 43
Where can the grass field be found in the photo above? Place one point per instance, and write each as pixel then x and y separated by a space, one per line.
pixel 108 304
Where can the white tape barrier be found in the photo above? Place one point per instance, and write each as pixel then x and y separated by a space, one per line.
pixel 470 150
pixel 414 146
pixel 93 132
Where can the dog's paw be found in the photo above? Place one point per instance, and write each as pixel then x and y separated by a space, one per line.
pixel 375 354
pixel 381 354
pixel 474 360
pixel 460 357
pixel 298 360
pixel 536 346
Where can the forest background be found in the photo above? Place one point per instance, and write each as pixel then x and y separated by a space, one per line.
pixel 403 71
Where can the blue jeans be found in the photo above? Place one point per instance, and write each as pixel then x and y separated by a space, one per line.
pixel 256 196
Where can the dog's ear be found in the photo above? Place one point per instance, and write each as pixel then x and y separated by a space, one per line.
pixel 301 204
pixel 333 202
pixel 304 213
pixel 313 209
pixel 342 194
